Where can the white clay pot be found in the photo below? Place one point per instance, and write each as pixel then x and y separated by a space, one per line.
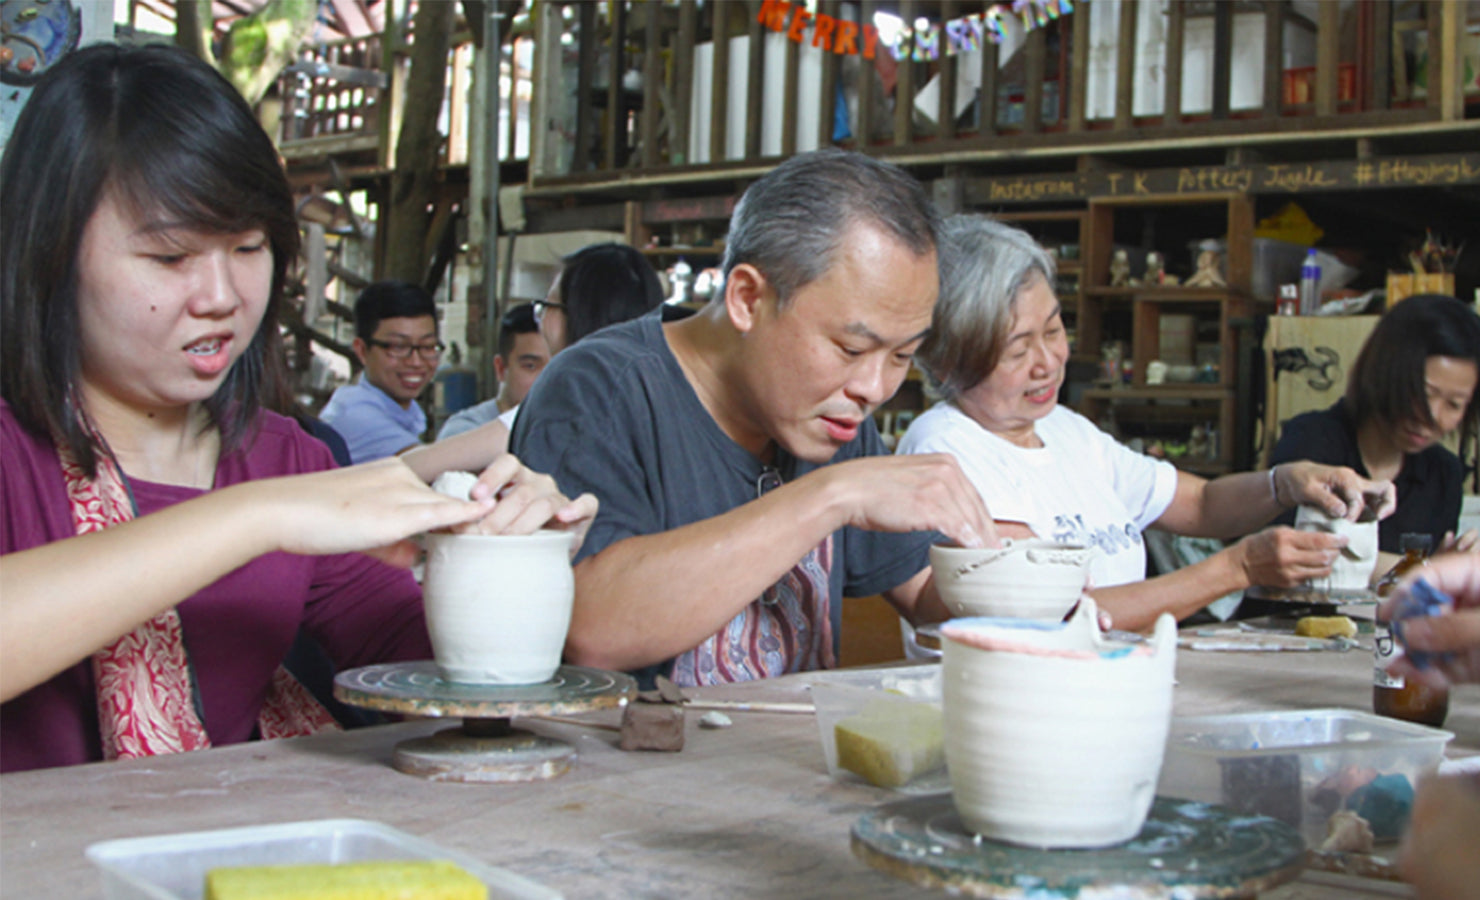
pixel 1352 568
pixel 1054 732
pixel 1030 578
pixel 498 606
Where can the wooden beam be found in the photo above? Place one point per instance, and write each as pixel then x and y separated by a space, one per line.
pixel 652 86
pixel 616 121
pixel 1274 58
pixel 1171 110
pixel 790 89
pixel 1380 63
pixel 1434 18
pixel 1125 67
pixel 719 83
pixel 683 88
pixel 585 72
pixel 1222 58
pixel 1036 57
pixel 756 74
pixel 831 66
pixel 1328 52
pixel 904 85
pixel 945 115
pixel 868 84
pixel 1447 81
pixel 987 99
pixel 1078 68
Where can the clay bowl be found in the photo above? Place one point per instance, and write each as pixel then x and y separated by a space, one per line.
pixel 1054 731
pixel 1024 579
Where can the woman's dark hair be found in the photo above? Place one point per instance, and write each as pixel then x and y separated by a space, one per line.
pixel 166 136
pixel 1386 384
pixel 603 284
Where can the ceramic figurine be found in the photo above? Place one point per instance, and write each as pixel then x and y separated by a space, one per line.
pixel 1120 269
pixel 1208 263
pixel 1156 270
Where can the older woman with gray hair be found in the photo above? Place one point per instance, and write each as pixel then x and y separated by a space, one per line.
pixel 996 358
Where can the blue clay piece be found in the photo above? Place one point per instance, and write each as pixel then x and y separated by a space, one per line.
pixel 1421 599
pixel 1386 804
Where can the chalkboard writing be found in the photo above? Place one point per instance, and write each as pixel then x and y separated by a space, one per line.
pixel 1269 178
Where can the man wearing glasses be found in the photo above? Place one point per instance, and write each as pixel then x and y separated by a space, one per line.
pixel 396 341
pixel 744 489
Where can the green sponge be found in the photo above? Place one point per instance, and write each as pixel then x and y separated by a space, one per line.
pixel 890 743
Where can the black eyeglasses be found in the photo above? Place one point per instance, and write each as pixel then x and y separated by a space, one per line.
pixel 400 350
pixel 541 305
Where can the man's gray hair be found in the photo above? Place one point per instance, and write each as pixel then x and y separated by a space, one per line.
pixel 790 223
pixel 984 265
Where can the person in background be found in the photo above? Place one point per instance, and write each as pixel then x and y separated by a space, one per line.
pixel 522 355
pixel 1438 851
pixel 163 536
pixel 744 487
pixel 996 357
pixel 396 342
pixel 1413 383
pixel 597 286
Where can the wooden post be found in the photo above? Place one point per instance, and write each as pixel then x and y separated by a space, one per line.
pixel 582 160
pixel 719 83
pixel 1036 50
pixel 652 86
pixel 831 64
pixel 1222 59
pixel 1380 63
pixel 1446 79
pixel 1078 70
pixel 683 89
pixel 790 89
pixel 867 83
pixel 615 150
pixel 1328 49
pixel 1125 67
pixel 757 72
pixel 904 84
pixel 1171 112
pixel 945 115
pixel 1274 59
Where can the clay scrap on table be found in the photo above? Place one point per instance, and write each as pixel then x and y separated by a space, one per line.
pixel 652 726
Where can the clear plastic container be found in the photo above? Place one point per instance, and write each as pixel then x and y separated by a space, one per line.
pixel 844 696
pixel 174 866
pixel 1302 766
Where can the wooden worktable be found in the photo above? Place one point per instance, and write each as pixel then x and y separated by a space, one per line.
pixel 747 811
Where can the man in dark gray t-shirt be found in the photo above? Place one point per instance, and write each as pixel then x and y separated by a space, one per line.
pixel 743 487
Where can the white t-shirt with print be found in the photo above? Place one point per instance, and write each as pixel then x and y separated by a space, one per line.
pixel 1081 487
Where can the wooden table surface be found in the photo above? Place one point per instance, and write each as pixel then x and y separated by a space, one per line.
pixel 747 811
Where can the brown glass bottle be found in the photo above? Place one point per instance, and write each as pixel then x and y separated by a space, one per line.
pixel 1394 696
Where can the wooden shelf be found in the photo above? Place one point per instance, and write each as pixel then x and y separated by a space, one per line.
pixel 1211 393
pixel 715 250
pixel 1171 294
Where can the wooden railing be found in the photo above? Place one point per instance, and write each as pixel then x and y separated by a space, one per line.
pixel 666 90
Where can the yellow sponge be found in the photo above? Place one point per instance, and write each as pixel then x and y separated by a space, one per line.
pixel 433 879
pixel 891 743
pixel 1326 627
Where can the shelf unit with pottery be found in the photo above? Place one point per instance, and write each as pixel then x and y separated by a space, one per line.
pixel 1189 404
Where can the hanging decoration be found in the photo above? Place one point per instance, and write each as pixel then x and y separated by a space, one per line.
pixel 920 44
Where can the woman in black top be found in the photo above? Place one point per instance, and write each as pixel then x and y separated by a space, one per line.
pixel 1412 384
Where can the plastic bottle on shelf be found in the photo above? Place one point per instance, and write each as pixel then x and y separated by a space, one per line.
pixel 1392 695
pixel 1310 284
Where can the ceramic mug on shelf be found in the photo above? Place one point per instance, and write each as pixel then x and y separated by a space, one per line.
pixel 1054 731
pixel 498 606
